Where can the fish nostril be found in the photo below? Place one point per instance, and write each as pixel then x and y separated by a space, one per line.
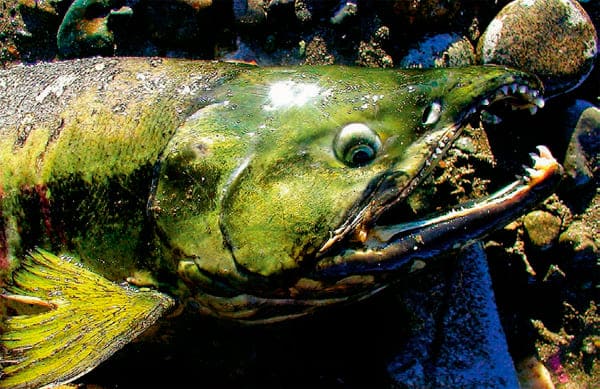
pixel 432 113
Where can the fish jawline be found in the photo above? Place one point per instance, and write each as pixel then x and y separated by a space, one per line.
pixel 409 246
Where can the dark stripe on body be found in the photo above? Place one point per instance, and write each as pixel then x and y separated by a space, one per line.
pixel 3 241
pixel 45 210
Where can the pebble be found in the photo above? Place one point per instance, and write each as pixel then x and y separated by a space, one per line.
pixel 249 12
pixel 533 374
pixel 317 53
pixel 372 53
pixel 83 35
pixel 579 241
pixel 442 50
pixel 582 123
pixel 554 39
pixel 346 10
pixel 302 11
pixel 542 228
pixel 460 342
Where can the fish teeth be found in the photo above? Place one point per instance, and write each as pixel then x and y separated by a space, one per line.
pixel 541 162
pixel 533 109
pixel 544 152
pixel 531 172
pixel 539 102
pixel 535 158
pixel 485 102
pixel 490 118
pixel 545 158
pixel 435 111
pixel 513 88
pixel 523 89
pixel 504 89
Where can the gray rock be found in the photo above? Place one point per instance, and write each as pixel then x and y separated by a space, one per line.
pixel 582 159
pixel 578 243
pixel 465 346
pixel 346 10
pixel 249 12
pixel 542 228
pixel 554 39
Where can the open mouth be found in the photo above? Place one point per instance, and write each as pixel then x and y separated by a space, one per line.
pixel 380 239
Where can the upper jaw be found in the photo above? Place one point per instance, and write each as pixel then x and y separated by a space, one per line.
pixel 390 247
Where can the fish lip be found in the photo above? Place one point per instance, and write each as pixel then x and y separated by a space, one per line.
pixel 518 95
pixel 408 246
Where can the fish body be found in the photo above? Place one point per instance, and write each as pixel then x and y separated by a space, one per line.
pixel 255 192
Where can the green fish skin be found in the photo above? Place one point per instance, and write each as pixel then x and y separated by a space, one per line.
pixel 253 191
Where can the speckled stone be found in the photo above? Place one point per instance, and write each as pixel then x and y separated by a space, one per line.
pixel 578 239
pixel 554 39
pixel 582 160
pixel 249 12
pixel 533 374
pixel 371 54
pixel 442 50
pixel 317 53
pixel 422 14
pixel 542 228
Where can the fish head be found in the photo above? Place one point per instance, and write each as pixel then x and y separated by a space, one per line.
pixel 270 198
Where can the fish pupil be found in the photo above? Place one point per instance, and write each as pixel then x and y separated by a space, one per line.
pixel 361 155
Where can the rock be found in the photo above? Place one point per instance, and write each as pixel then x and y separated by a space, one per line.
pixel 554 39
pixel 85 29
pixel 302 11
pixel 423 15
pixel 533 374
pixel 317 53
pixel 129 27
pixel 443 50
pixel 467 346
pixel 578 241
pixel 582 160
pixel 542 228
pixel 372 54
pixel 577 238
pixel 249 12
pixel 39 18
pixel 177 28
pixel 346 10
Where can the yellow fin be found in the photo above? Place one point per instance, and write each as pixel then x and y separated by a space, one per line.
pixel 87 318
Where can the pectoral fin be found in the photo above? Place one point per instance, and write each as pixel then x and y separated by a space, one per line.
pixel 85 319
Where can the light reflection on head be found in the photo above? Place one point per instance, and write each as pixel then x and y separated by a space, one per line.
pixel 285 94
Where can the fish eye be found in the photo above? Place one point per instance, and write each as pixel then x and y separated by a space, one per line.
pixel 432 113
pixel 356 145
